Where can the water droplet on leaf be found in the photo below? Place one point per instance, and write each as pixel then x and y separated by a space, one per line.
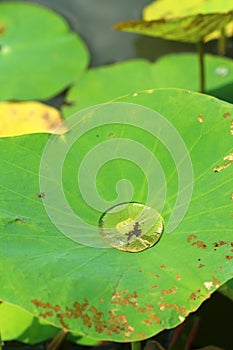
pixel 222 71
pixel 131 227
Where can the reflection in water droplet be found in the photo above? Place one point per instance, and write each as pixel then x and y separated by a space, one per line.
pixel 131 227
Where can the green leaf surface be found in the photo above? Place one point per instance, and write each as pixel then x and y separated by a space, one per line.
pixel 190 29
pixel 18 324
pixel 102 84
pixel 103 292
pixel 39 56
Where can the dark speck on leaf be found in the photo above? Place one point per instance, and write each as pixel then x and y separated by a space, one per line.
pixel 41 195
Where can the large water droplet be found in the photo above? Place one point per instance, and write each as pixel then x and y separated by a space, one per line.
pixel 131 227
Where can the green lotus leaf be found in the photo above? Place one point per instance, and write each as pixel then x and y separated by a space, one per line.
pixel 170 71
pixel 39 55
pixel 166 9
pixel 190 29
pixel 18 324
pixel 105 293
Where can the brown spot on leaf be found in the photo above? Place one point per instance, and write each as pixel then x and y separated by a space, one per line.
pixel 41 195
pixel 200 118
pixel 200 244
pixel 178 309
pixel 172 290
pixel 222 243
pixel 219 168
pixel 147 322
pixel 163 266
pixel 226 115
pixel 141 335
pixel 178 278
pixel 2 28
pixel 191 237
pixel 124 298
pixel 146 308
pixel 154 286
pixel 46 314
pixel 192 296
pixel 155 274
pixel 200 266
pixel 153 317
pixel 216 282
pixel 229 257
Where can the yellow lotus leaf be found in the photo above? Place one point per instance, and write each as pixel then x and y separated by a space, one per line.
pixel 20 118
pixel 165 9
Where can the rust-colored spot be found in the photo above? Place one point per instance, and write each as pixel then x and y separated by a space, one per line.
pixel 2 28
pixel 191 237
pixel 200 244
pixel 154 286
pixel 46 314
pixel 219 168
pixel 46 116
pixel 226 115
pixel 147 322
pixel 124 298
pixel 41 195
pixel 163 266
pixel 128 334
pixel 101 300
pixel 229 257
pixel 139 270
pixel 200 266
pixel 155 274
pixel 216 282
pixel 153 317
pixel 178 278
pixel 178 309
pixel 111 134
pixel 172 290
pixel 200 118
pixel 192 296
pixel 141 335
pixel 222 243
pixel 146 308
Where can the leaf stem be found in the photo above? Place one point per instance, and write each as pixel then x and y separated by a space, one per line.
pixel 222 43
pixel 200 50
pixel 136 345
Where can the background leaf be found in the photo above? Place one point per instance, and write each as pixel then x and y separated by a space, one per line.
pixel 18 324
pixel 19 118
pixel 106 293
pixel 166 9
pixel 190 29
pixel 176 70
pixel 39 56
